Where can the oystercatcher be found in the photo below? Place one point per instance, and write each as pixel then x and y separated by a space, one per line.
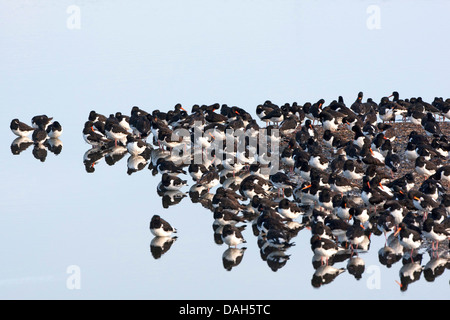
pixel 20 129
pixel 41 122
pixel 356 234
pixel 288 209
pixel 172 182
pixel 325 248
pixel 160 227
pixel 92 136
pixel 39 136
pixel 232 236
pixel 425 167
pixel 224 216
pixel 94 117
pixel 115 132
pixel 353 170
pixel 54 130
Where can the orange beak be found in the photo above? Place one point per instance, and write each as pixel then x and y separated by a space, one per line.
pixel 396 232
pixel 381 186
pixel 371 151
pixel 182 109
pixel 306 187
pixel 368 184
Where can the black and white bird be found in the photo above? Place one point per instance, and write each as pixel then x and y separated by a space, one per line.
pixel 232 236
pixel 39 136
pixel 435 232
pixel 95 116
pixel 281 181
pixel 116 133
pixel 224 216
pixel 41 121
pixel 164 165
pixel 172 182
pixel 289 209
pixel 209 179
pixel 93 136
pixel 353 170
pixel 425 167
pixel 324 248
pixel 409 238
pixel 20 129
pixel 160 227
pixel 135 146
pixel 356 234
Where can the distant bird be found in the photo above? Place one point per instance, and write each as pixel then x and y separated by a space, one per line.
pixel 209 179
pixel 54 130
pixel 41 122
pixel 116 133
pixel 94 117
pixel 356 234
pixel 353 170
pixel 232 257
pixel 232 236
pixel 281 181
pixel 430 125
pixel 434 232
pixel 275 116
pixel 92 136
pixel 409 238
pixel 124 120
pixel 160 227
pixel 20 129
pixel 135 146
pixel 288 209
pixel 164 165
pixel 172 182
pixel 424 167
pixel 39 136
pixel 224 216
pixel 324 248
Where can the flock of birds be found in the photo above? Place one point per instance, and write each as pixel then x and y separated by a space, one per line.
pixel 44 132
pixel 338 177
